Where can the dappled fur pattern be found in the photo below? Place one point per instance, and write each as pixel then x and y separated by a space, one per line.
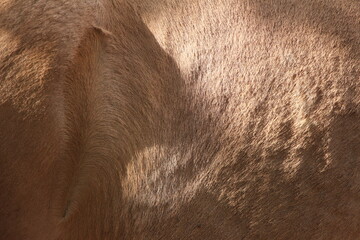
pixel 192 119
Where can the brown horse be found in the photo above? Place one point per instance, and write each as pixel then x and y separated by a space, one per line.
pixel 191 119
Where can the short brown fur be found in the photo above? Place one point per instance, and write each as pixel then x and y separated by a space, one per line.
pixel 184 119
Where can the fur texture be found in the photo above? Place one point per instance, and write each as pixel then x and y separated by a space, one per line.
pixel 163 119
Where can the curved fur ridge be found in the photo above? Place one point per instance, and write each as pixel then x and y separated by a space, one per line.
pixel 226 119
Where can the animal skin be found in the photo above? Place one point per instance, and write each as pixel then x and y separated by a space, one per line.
pixel 191 119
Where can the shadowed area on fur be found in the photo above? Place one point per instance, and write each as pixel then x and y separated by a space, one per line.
pixel 179 120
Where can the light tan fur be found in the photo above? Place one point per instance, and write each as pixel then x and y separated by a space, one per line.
pixel 192 119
